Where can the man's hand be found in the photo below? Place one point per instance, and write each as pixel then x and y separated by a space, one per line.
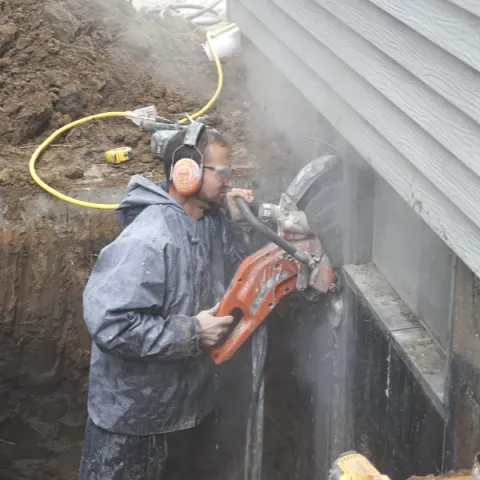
pixel 235 212
pixel 213 328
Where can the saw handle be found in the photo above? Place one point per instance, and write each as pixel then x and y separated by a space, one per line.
pixel 251 219
pixel 261 281
pixel 236 337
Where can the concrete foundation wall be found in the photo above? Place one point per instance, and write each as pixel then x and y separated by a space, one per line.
pixel 463 434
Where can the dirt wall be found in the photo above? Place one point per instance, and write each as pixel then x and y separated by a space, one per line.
pixel 61 60
pixel 44 354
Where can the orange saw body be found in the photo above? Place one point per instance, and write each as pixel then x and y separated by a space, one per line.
pixel 262 280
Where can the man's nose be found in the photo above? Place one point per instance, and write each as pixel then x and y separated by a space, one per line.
pixel 228 183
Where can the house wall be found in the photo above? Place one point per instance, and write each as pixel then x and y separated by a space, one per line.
pixel 393 88
pixel 400 81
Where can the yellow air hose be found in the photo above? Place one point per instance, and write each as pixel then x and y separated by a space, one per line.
pixel 54 135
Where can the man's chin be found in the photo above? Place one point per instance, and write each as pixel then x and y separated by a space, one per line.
pixel 219 200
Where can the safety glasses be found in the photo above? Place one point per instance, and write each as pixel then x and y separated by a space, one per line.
pixel 224 173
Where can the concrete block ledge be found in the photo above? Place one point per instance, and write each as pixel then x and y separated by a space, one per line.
pixel 422 354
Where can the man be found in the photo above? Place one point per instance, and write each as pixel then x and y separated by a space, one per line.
pixel 150 307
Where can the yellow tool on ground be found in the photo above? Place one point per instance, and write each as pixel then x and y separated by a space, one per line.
pixel 118 155
pixel 354 466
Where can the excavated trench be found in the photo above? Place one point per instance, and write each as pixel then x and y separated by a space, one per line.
pixel 62 60
pixel 45 259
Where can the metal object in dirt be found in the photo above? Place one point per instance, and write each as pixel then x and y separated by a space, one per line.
pixel 159 140
pixel 163 130
pixel 144 113
pixel 150 126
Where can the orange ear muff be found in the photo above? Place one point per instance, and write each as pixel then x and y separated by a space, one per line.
pixel 187 176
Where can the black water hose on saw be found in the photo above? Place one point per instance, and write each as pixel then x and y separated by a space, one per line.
pixel 250 218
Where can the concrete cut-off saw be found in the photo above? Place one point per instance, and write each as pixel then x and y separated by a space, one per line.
pixel 294 260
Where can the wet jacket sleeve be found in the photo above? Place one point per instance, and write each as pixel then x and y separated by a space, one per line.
pixel 123 304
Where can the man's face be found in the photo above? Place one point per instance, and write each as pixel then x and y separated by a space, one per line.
pixel 216 175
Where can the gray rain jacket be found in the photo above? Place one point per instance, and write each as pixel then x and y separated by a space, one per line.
pixel 149 373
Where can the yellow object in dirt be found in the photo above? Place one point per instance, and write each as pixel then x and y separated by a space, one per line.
pixel 118 155
pixel 354 466
pixel 458 475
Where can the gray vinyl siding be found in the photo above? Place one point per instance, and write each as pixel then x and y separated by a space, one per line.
pixel 400 81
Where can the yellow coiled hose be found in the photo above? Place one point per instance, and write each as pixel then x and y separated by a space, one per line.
pixel 54 135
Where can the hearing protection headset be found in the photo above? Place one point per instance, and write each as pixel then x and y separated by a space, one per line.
pixel 186 173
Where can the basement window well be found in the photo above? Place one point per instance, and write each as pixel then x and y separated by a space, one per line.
pixel 408 288
pixel 419 350
pixel 414 259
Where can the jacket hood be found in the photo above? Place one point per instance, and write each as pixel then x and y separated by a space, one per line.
pixel 142 193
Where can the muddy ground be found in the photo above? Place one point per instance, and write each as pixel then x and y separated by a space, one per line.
pixel 63 60
pixel 60 61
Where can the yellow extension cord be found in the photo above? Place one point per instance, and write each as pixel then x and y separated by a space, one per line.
pixel 54 135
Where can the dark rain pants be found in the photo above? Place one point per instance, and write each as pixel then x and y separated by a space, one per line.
pixel 184 455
